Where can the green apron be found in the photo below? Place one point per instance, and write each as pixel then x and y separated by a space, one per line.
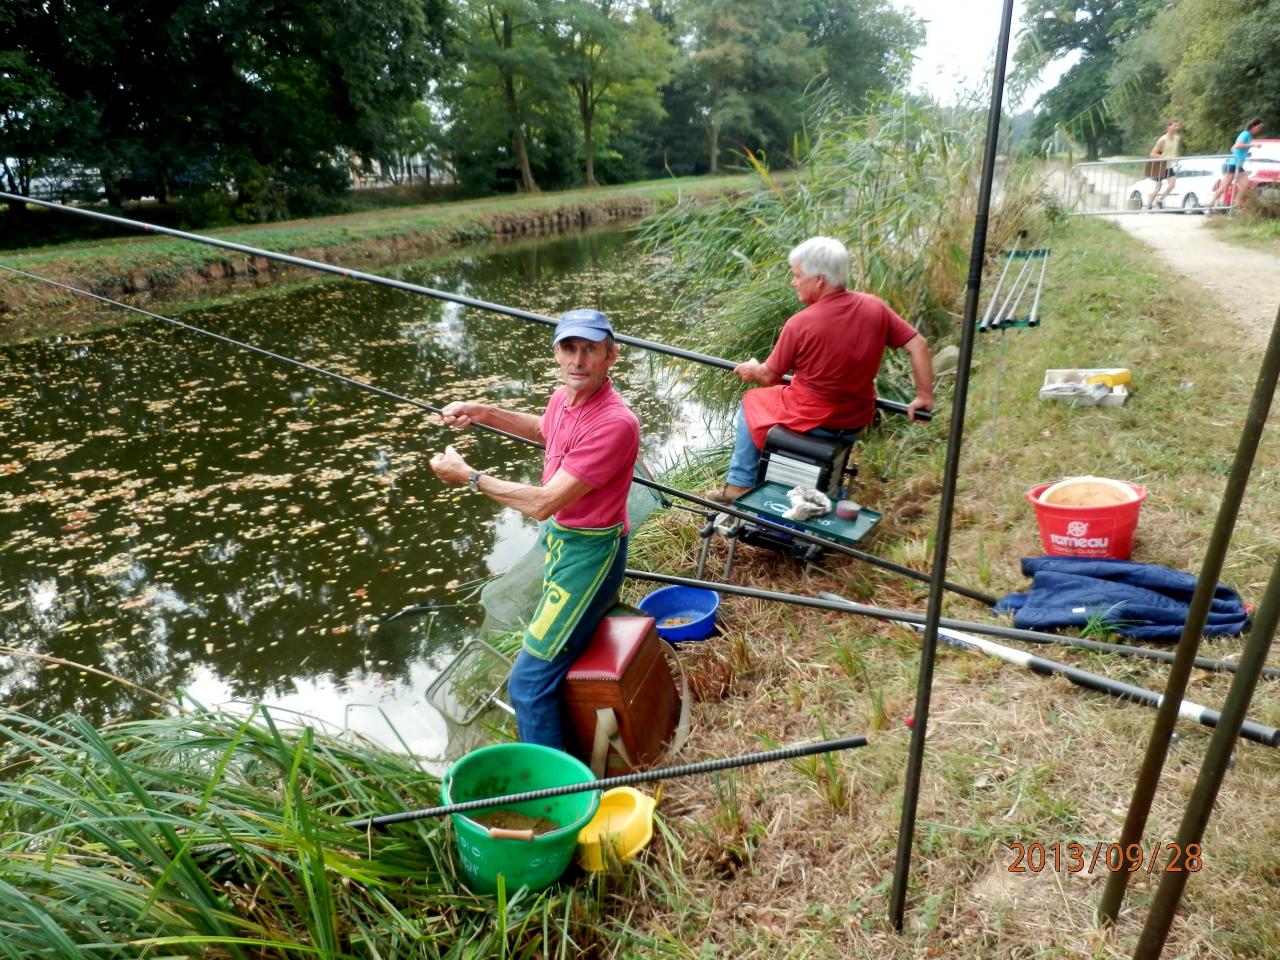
pixel 577 562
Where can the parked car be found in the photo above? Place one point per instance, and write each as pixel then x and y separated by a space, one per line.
pixel 1197 177
pixel 1263 164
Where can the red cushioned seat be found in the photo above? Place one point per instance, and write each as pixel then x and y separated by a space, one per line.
pixel 623 669
pixel 612 648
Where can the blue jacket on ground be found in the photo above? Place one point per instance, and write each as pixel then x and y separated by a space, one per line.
pixel 1140 600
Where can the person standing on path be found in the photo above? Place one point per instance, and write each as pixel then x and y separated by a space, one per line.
pixel 1160 168
pixel 592 440
pixel 1233 170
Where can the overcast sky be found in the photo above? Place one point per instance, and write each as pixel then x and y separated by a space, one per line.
pixel 960 45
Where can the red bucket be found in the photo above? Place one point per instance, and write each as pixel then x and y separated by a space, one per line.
pixel 1105 531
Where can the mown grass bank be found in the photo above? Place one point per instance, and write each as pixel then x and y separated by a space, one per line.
pixel 796 860
pixel 166 269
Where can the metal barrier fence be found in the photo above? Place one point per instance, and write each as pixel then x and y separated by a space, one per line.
pixel 1130 186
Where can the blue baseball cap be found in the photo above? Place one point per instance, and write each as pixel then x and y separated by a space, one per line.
pixel 583 322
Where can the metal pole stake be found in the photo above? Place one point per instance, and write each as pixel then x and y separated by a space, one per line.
pixel 1212 770
pixel 1144 788
pixel 924 686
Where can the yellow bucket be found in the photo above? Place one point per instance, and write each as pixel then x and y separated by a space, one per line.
pixel 623 824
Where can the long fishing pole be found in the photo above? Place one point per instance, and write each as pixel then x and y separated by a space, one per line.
pixel 892 406
pixel 662 488
pixel 608 783
pixel 1249 730
pixel 947 495
pixel 831 601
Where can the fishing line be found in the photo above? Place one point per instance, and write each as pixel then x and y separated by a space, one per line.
pixel 708 505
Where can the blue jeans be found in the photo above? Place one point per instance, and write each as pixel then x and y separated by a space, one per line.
pixel 534 686
pixel 744 462
pixel 745 459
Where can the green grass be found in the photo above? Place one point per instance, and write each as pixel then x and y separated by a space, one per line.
pixel 204 834
pixel 796 862
pixel 1255 233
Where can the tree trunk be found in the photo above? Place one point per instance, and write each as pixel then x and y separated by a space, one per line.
pixel 522 156
pixel 513 112
pixel 588 144
pixel 714 131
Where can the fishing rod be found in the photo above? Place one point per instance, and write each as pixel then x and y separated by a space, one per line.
pixel 831 601
pixel 985 322
pixel 1249 730
pixel 652 484
pixel 892 406
pixel 608 783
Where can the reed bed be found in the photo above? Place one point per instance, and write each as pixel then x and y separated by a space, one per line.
pixel 206 834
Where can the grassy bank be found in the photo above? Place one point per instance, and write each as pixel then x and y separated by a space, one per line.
pixel 1256 233
pixel 796 861
pixel 166 269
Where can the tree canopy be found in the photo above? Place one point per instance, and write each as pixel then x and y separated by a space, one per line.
pixel 1210 63
pixel 260 104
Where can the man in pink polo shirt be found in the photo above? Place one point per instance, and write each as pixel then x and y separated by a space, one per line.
pixel 592 440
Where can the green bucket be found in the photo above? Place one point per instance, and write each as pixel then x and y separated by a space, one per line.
pixel 516 768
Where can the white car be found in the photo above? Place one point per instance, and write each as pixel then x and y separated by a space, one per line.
pixel 1196 179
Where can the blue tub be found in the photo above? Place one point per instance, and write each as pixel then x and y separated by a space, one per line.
pixel 694 604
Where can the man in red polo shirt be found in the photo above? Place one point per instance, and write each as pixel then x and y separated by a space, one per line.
pixel 592 440
pixel 833 350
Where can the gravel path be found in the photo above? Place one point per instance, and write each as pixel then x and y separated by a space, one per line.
pixel 1246 282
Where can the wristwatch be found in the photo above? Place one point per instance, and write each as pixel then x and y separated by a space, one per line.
pixel 473 481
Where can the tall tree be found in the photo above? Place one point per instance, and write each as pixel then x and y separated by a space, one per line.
pixel 508 45
pixel 190 92
pixel 1095 28
pixel 753 60
pixel 615 56
pixel 1219 58
pixel 741 51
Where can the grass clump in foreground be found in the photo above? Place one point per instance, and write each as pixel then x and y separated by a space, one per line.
pixel 211 835
pixel 796 860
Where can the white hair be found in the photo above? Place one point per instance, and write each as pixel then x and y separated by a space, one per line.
pixel 823 257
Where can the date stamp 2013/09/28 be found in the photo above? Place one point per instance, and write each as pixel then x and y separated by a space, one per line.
pixel 1111 857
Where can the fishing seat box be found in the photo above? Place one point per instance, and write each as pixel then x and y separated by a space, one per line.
pixel 624 668
pixel 801 459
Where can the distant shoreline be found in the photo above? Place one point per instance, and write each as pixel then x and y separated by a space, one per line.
pixel 153 270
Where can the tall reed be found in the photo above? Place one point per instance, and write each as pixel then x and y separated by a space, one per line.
pixel 896 183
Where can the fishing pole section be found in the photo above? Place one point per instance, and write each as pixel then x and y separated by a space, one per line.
pixel 707 505
pixel 622 780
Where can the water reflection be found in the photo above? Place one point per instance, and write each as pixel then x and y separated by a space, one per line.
pixel 188 515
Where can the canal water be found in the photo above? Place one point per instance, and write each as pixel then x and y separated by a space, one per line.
pixel 192 517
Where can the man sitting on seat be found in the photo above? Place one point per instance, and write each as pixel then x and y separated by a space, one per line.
pixel 833 348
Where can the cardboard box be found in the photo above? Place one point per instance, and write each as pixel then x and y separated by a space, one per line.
pixel 1087 387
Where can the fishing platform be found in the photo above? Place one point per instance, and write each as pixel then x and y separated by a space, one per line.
pixel 792 459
